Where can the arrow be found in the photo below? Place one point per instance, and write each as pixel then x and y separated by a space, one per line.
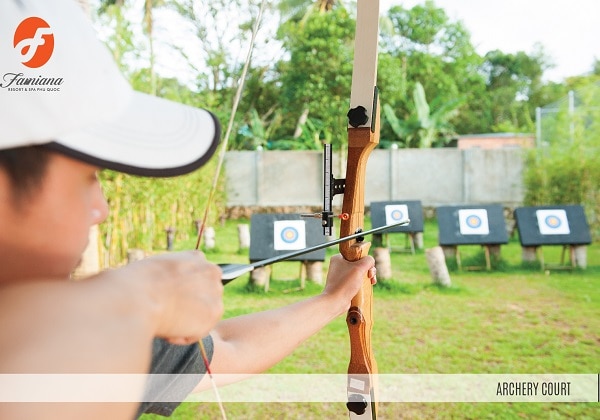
pixel 232 271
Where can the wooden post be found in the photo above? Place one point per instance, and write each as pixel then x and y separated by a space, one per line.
pixel 449 251
pixel 453 253
pixel 486 251
pixel 313 271
pixel 540 250
pixel 579 255
pixel 261 276
pixel 437 266
pixel 383 262
pixel 303 274
pixel 411 241
pixel 419 240
pixel 495 251
pixel 529 254
pixel 244 236
pixel 209 237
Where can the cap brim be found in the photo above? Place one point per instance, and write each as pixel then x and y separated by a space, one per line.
pixel 78 102
pixel 151 137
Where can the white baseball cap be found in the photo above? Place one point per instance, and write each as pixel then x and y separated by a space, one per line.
pixel 60 87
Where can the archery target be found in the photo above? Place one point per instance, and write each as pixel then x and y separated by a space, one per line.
pixel 553 222
pixel 473 222
pixel 289 235
pixel 395 213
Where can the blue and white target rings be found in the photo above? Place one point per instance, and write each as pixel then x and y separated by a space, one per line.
pixel 289 235
pixel 473 221
pixel 552 222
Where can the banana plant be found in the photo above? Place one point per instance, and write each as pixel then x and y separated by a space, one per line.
pixel 424 127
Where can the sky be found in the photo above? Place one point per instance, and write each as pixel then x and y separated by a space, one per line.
pixel 569 30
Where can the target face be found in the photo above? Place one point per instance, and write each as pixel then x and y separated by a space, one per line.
pixel 289 235
pixel 553 222
pixel 395 213
pixel 473 222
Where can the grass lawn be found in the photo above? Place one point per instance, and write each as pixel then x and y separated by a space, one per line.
pixel 514 319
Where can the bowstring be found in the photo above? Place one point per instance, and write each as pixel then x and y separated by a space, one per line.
pixel 236 102
pixel 213 188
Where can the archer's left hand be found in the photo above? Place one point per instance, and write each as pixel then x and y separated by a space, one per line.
pixel 345 278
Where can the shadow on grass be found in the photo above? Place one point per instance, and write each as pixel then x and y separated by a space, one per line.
pixel 388 287
pixel 443 290
pixel 391 287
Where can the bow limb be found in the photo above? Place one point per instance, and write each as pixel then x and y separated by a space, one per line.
pixel 363 137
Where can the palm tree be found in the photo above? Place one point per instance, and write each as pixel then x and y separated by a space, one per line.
pixel 148 27
pixel 301 9
pixel 149 6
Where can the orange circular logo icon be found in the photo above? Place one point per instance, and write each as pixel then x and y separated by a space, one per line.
pixel 34 41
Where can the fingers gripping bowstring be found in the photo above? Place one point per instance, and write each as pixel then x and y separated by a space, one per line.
pixel 213 188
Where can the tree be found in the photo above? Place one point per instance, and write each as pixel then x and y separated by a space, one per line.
pixel 148 20
pixel 425 45
pixel 120 41
pixel 115 8
pixel 513 80
pixel 300 10
pixel 318 74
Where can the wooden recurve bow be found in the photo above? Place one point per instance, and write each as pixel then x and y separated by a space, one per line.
pixel 363 137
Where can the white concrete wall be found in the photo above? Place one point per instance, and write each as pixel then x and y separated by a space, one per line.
pixel 434 176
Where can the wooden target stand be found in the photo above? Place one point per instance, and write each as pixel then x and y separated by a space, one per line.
pixel 409 243
pixel 388 212
pixel 472 225
pixel 539 254
pixel 488 251
pixel 272 235
pixel 560 225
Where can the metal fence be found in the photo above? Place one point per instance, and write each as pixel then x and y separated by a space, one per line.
pixel 568 128
pixel 574 117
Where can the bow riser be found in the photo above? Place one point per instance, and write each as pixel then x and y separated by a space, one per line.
pixel 361 141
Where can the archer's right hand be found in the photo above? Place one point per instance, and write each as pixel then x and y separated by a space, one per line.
pixel 186 292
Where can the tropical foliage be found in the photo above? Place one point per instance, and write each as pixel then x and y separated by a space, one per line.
pixel 425 127
pixel 433 86
pixel 566 168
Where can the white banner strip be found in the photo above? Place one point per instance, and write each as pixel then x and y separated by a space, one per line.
pixel 545 388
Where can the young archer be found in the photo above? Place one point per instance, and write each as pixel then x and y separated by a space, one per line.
pixel 147 316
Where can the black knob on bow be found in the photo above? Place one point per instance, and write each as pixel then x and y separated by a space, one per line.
pixel 358 116
pixel 357 404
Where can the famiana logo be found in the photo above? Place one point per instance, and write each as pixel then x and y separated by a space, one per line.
pixel 34 44
pixel 34 41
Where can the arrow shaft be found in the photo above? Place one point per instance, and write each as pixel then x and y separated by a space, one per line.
pixel 232 271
